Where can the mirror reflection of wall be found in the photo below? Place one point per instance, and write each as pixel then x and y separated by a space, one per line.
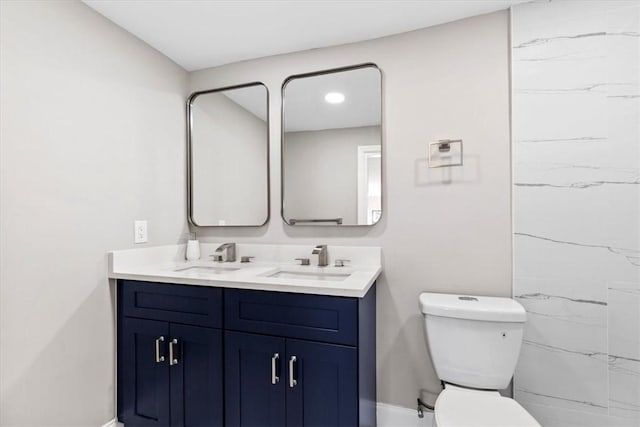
pixel 331 148
pixel 229 157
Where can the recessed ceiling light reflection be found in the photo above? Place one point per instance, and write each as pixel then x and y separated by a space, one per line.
pixel 334 98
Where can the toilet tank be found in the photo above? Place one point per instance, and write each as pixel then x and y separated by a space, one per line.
pixel 473 341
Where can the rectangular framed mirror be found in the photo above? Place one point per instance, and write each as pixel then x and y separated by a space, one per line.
pixel 332 147
pixel 228 156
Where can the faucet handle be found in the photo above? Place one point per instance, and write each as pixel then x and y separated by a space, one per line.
pixel 304 261
pixel 340 262
pixel 245 258
pixel 216 257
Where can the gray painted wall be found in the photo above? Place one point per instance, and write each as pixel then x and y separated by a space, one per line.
pixel 443 230
pixel 321 170
pixel 91 138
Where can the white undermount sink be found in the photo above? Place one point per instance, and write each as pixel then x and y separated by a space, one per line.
pixel 206 269
pixel 309 275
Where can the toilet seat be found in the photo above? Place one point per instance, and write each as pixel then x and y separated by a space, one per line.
pixel 462 407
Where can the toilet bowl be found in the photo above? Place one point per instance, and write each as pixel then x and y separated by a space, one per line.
pixel 474 343
pixel 464 407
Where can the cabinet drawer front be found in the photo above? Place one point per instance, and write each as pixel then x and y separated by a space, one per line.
pixel 193 305
pixel 314 317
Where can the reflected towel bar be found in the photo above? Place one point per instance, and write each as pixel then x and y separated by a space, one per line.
pixel 293 221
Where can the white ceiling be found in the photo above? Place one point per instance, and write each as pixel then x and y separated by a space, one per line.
pixel 199 34
pixel 306 109
pixel 251 98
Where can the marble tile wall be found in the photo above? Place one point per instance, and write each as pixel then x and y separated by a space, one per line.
pixel 576 192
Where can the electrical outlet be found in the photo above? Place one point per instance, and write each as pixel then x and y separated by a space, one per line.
pixel 140 231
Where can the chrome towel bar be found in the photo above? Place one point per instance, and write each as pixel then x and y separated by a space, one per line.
pixel 293 221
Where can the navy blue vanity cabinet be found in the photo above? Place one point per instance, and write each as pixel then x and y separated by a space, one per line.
pixel 203 356
pixel 197 378
pixel 299 360
pixel 170 355
pixel 322 384
pixel 254 380
pixel 143 384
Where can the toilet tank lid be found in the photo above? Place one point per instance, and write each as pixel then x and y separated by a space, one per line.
pixel 472 307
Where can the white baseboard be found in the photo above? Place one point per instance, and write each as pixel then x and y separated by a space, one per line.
pixel 388 416
pixel 397 416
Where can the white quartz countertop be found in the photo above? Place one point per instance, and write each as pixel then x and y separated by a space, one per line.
pixel 166 264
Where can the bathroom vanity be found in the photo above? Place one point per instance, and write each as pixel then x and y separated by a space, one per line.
pixel 265 343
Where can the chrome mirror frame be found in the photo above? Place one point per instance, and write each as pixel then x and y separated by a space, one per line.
pixel 189 118
pixel 337 221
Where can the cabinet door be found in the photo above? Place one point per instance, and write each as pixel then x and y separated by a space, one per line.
pixel 145 375
pixel 254 380
pixel 196 376
pixel 322 384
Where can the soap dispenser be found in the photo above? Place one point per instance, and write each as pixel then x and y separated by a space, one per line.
pixel 193 248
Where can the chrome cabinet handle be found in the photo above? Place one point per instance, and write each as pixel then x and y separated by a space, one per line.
pixel 274 362
pixel 159 359
pixel 292 375
pixel 172 360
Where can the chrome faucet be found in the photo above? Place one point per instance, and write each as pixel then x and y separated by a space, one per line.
pixel 225 252
pixel 323 258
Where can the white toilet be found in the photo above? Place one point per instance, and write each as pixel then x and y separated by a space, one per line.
pixel 474 344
